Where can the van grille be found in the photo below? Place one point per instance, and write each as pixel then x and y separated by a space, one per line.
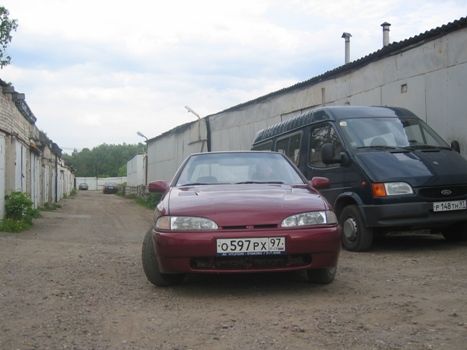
pixel 443 192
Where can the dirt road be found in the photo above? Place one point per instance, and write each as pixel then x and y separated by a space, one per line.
pixel 75 281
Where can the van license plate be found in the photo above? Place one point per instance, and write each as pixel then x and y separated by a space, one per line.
pixel 251 246
pixel 448 206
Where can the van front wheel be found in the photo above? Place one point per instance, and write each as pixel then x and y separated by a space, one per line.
pixel 355 235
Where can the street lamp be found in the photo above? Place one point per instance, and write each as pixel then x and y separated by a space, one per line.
pixel 190 110
pixel 139 133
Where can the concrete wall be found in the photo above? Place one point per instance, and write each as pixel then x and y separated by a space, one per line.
pixel 429 79
pixel 97 183
pixel 166 153
pixel 136 170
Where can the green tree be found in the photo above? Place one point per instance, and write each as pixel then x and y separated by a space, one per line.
pixel 7 25
pixel 104 160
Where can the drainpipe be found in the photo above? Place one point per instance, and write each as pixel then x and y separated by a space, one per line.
pixel 347 36
pixel 208 134
pixel 56 179
pixel 385 26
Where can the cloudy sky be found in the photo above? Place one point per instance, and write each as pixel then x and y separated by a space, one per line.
pixel 98 71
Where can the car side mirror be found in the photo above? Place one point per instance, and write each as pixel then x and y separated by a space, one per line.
pixel 319 182
pixel 158 186
pixel 455 146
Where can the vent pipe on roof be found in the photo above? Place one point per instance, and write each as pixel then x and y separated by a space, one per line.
pixel 347 36
pixel 385 26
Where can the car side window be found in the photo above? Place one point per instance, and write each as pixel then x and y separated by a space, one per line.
pixel 290 146
pixel 319 136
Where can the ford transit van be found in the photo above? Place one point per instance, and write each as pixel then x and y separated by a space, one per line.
pixel 388 170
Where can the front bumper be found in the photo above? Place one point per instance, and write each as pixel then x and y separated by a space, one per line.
pixel 410 215
pixel 196 251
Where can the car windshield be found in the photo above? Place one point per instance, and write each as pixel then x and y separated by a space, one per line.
pixel 237 168
pixel 387 133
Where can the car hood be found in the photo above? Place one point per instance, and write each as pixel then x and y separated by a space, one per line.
pixel 418 168
pixel 250 204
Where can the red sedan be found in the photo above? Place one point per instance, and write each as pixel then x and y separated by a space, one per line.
pixel 237 212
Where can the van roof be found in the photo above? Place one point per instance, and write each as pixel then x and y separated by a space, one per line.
pixel 334 113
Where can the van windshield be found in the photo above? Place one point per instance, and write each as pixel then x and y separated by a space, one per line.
pixel 382 133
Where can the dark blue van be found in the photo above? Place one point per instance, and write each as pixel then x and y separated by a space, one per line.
pixel 388 170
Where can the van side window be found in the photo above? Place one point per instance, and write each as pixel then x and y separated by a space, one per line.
pixel 267 146
pixel 290 146
pixel 319 136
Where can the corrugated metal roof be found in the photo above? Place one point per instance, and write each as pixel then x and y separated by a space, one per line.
pixel 386 51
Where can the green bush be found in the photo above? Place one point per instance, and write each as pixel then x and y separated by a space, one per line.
pixel 18 206
pixel 19 212
pixel 149 200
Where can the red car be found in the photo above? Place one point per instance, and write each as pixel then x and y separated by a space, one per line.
pixel 237 212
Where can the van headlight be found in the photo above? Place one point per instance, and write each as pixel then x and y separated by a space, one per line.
pixel 311 218
pixel 185 223
pixel 391 189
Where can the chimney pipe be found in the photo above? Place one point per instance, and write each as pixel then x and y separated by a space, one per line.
pixel 347 36
pixel 385 26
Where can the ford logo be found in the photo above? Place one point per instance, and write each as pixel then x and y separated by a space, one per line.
pixel 446 192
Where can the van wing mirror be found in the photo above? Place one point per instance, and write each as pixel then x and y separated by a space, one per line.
pixel 158 186
pixel 327 155
pixel 455 146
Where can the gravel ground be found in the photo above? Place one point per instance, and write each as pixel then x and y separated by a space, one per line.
pixel 75 281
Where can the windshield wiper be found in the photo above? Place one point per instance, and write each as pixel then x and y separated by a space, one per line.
pixel 377 147
pixel 195 184
pixel 260 182
pixel 428 147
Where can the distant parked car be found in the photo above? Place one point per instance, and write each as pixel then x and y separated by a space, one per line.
pixel 233 212
pixel 110 187
pixel 83 186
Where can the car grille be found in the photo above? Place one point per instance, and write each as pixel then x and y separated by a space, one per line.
pixel 250 262
pixel 443 192
pixel 252 227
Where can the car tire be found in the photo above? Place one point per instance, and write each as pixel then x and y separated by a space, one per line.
pixel 355 235
pixel 151 266
pixel 321 276
pixel 456 233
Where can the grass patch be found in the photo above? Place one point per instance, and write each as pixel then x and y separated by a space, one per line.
pixel 149 200
pixel 50 207
pixel 12 225
pixel 19 213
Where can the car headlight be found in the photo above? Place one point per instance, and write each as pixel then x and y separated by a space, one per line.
pixel 311 218
pixel 391 189
pixel 185 223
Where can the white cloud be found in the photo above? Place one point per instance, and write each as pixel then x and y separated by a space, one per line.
pixel 97 71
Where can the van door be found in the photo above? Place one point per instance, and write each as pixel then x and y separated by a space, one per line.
pixel 342 177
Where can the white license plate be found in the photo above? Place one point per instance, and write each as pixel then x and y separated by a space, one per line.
pixel 448 206
pixel 251 246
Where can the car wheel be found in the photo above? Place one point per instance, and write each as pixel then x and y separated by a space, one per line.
pixel 456 233
pixel 322 276
pixel 355 235
pixel 151 267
